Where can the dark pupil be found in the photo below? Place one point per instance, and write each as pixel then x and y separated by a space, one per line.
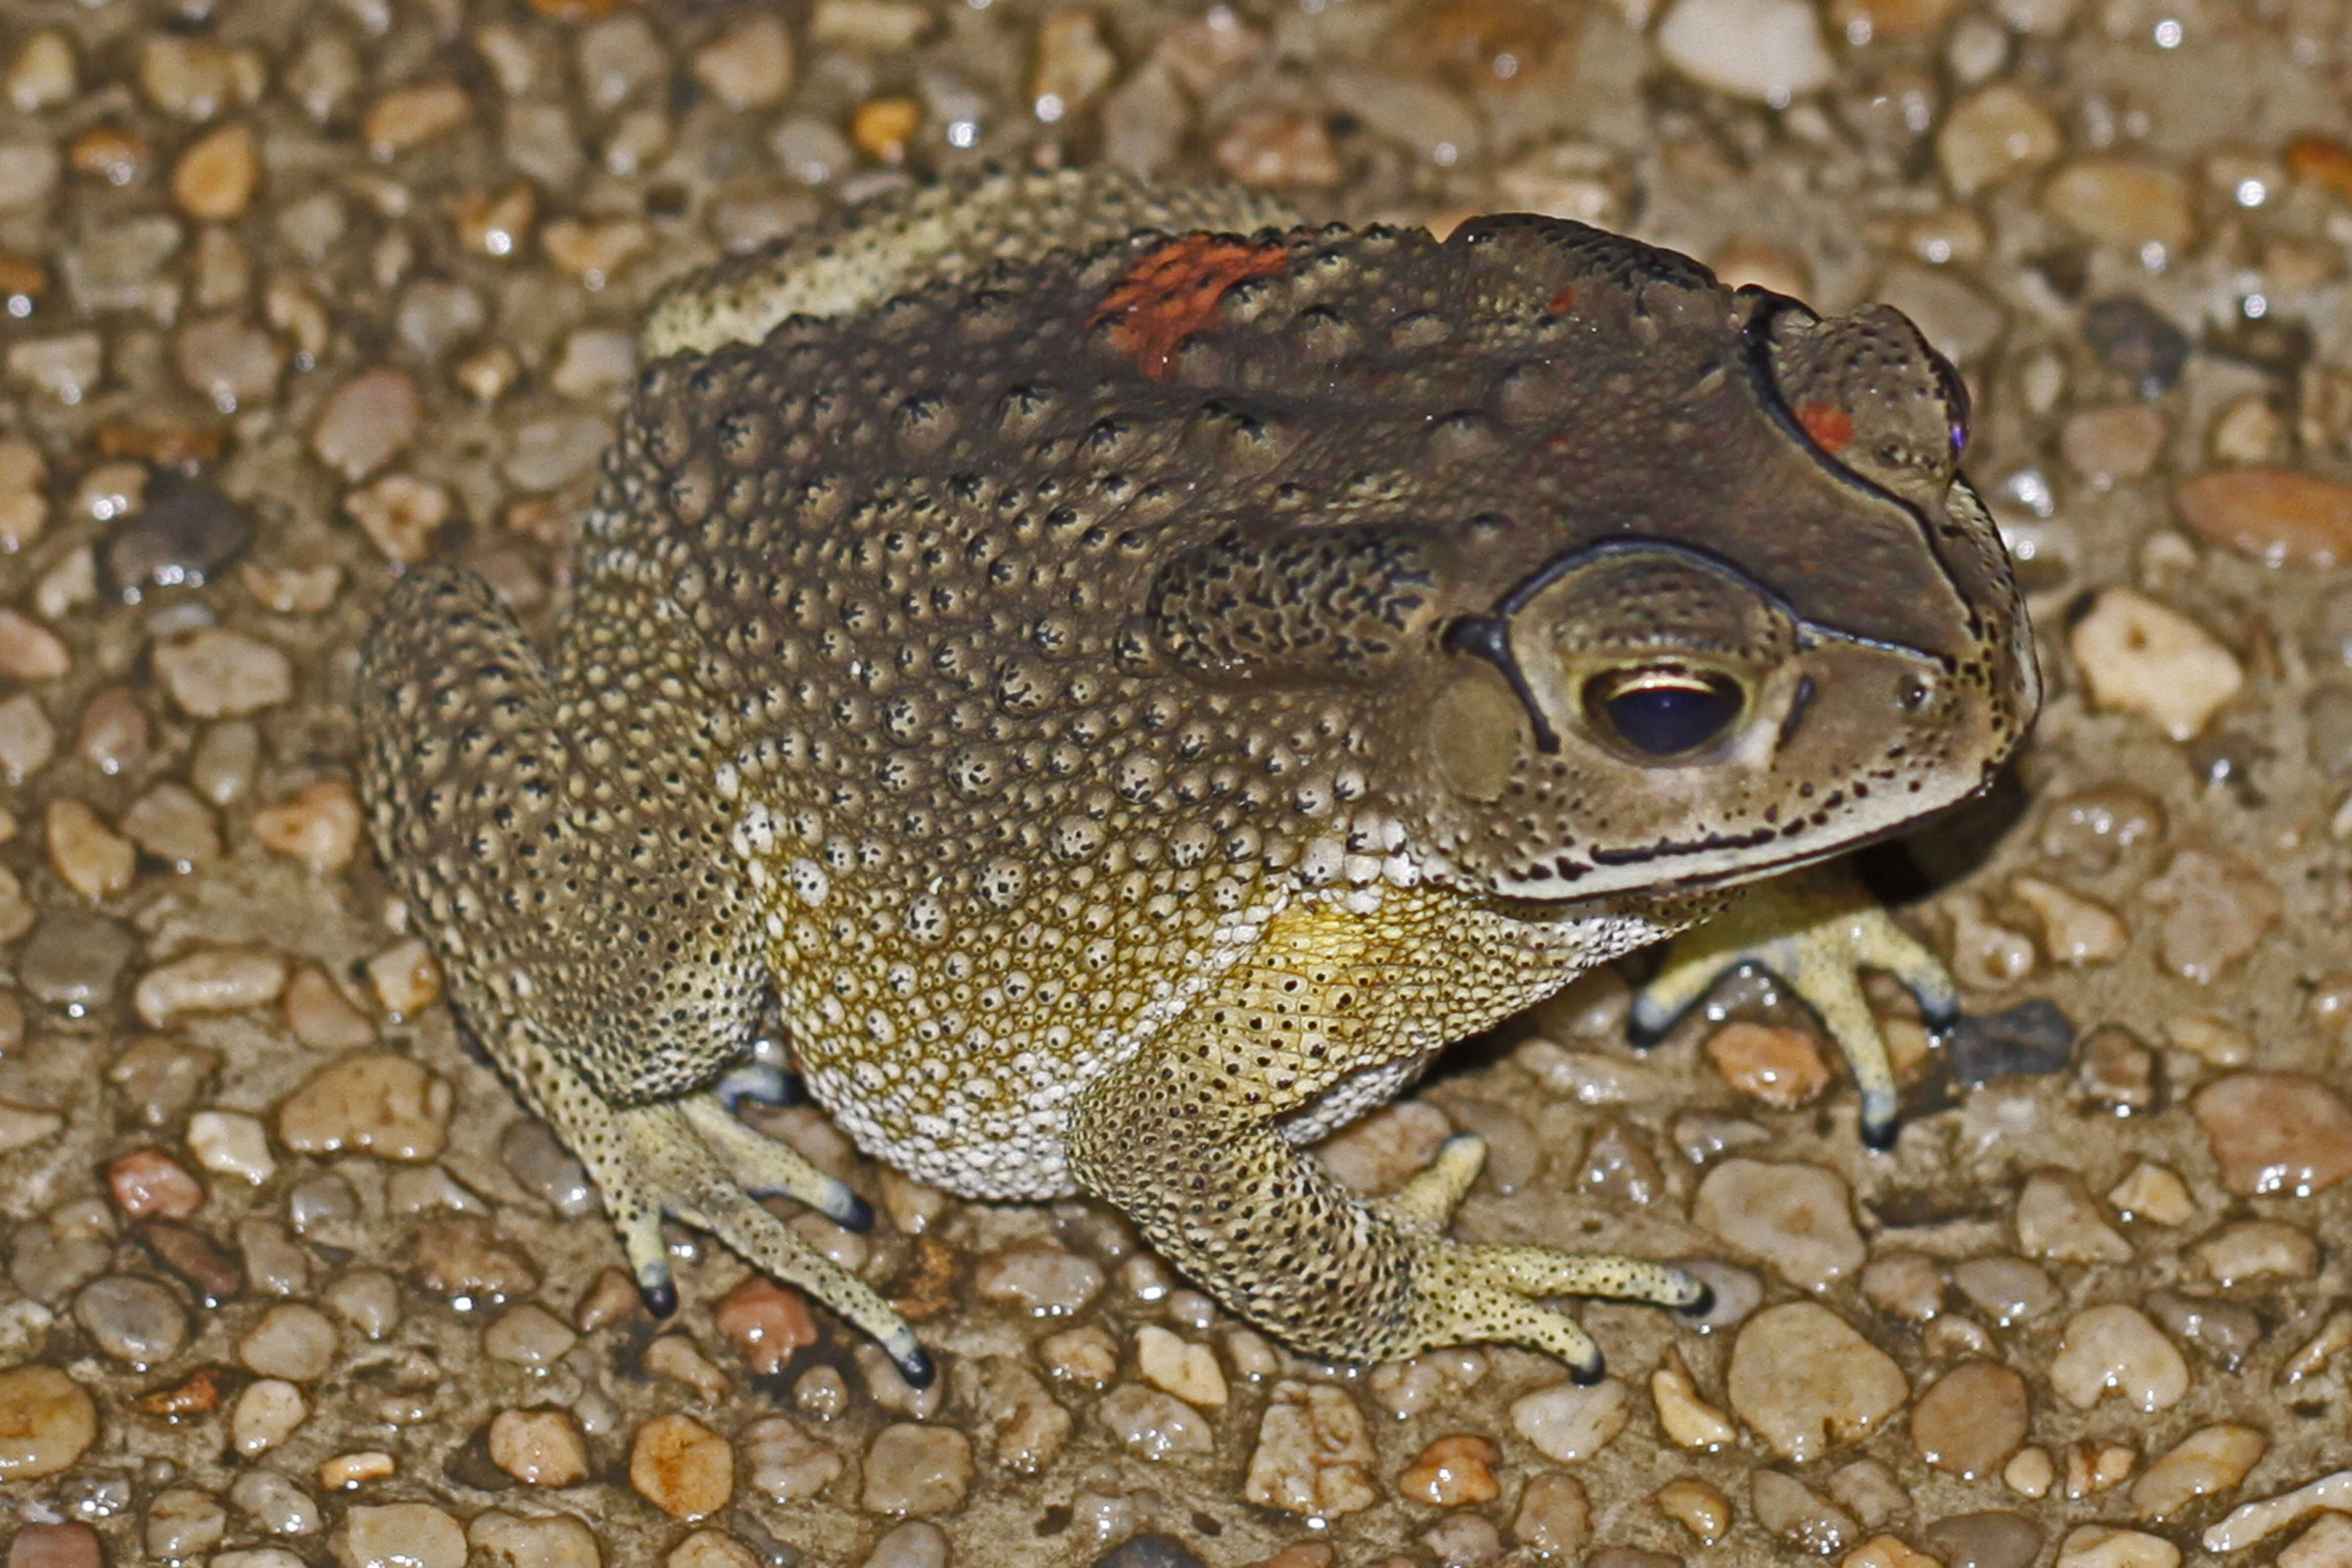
pixel 1670 718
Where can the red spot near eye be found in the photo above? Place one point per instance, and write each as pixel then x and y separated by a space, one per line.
pixel 1564 302
pixel 1173 291
pixel 1830 428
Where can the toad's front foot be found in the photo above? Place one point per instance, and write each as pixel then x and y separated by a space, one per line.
pixel 1815 930
pixel 1463 1293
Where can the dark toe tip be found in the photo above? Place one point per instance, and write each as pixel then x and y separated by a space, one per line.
pixel 1700 1305
pixel 856 1213
pixel 1881 1136
pixel 1940 1016
pixel 660 1296
pixel 1643 1033
pixel 1584 1375
pixel 918 1368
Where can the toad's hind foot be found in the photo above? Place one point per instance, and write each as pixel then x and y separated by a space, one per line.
pixel 1815 930
pixel 1465 1293
pixel 689 1160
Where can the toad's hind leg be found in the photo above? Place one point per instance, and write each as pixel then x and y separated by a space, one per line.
pixel 1815 930
pixel 648 1161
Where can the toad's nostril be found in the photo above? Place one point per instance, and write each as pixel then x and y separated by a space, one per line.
pixel 1664 713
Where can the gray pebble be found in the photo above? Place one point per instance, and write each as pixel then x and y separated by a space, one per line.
pixel 132 1320
pixel 182 538
pixel 73 959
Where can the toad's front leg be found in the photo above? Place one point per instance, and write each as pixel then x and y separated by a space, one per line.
pixel 1186 1138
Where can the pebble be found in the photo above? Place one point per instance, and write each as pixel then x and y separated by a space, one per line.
pixel 2137 342
pixel 69 1545
pixel 399 1535
pixel 276 1503
pixel 682 1467
pixel 215 179
pixel 215 673
pixel 593 250
pixel 1042 1281
pixel 1568 1422
pixel 750 66
pixel 2145 658
pixel 43 73
pixel 712 1549
pixel 1961 320
pixel 367 421
pixel 2253 1249
pixel 1993 1538
pixel 785 1464
pixel 46 1422
pixel 74 960
pixel 1697 1506
pixel 292 1341
pixel 677 1357
pixel 183 1522
pixel 171 823
pixel 1798 1217
pixel 366 1299
pixel 2273 515
pixel 2122 202
pixel 1184 1369
pixel 1686 1417
pixel 461 1257
pixel 917 1470
pixel 553 1541
pixel 766 1322
pixel 321 1017
pixel 232 362
pixel 2210 1459
pixel 2113 1349
pixel 230 1144
pixel 1157 1551
pixel 27 739
pixel 2008 1290
pixel 1805 1381
pixel 2076 931
pixel 2276 1132
pixel 2055 1219
pixel 1153 1424
pixel 22 1126
pixel 1087 1355
pixel 1971 1419
pixel 1799 1516
pixel 409 117
pixel 530 1335
pixel 2108 446
pixel 1463 1540
pixel 1768 50
pixel 1993 133
pixel 2154 1194
pixel 539 1447
pixel 376 1102
pixel 216 980
pixel 821 1392
pixel 135 1320
pixel 2106 1546
pixel 1272 147
pixel 1888 1551
pixel 2211 1036
pixel 320 827
pixel 1453 1471
pixel 266 1414
pixel 66 367
pixel 1314 1455
pixel 404 978
pixel 1427 1381
pixel 1907 1284
pixel 1783 1068
pixel 1871 1491
pixel 343 1472
pixel 1554 1516
pixel 29 651
pixel 148 1183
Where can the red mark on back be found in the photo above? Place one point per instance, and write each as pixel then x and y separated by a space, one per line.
pixel 1564 302
pixel 1173 292
pixel 1830 428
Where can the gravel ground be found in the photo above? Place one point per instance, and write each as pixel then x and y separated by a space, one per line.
pixel 291 294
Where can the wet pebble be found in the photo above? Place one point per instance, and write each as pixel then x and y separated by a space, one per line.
pixel 2326 1544
pixel 530 1335
pixel 1152 1423
pixel 1799 1218
pixel 215 673
pixel 1554 1516
pixel 1271 147
pixel 462 1257
pixel 1993 1538
pixel 2106 1546
pixel 765 1322
pixel 1149 1551
pixel 1686 1417
pixel 1781 1068
pixel 1805 1381
pixel 266 1414
pixel 2113 1349
pixel 1993 133
pixel 148 1183
pixel 27 739
pixel 2076 931
pixel 215 179
pixel 784 1464
pixel 29 651
pixel 2055 1219
pixel 132 1320
pixel 2105 445
pixel 1768 50
pixel 1087 1355
pixel 1971 1419
pixel 750 66
pixel 322 1018
pixel 1427 1381
pixel 401 515
pixel 2137 342
pixel 1568 1422
pixel 47 1421
pixel 411 116
pixel 682 1467
pixel 320 827
pixel 2143 657
pixel 2253 1249
pixel 1453 1471
pixel 399 1535
pixel 1187 1370
pixel 539 1447
pixel 2123 202
pixel 213 980
pixel 2007 1290
pixel 2210 1459
pixel 1314 1455
pixel 292 1341
pixel 2153 1193
pixel 2276 1132
pixel 376 1102
pixel 183 1522
pixel 1040 1279
pixel 2217 908
pixel 917 1470
pixel 1799 1516
pixel 230 1144
pixel 276 1503
pixel 1697 1506
pixel 71 1545
pixel 366 423
pixel 2275 515
pixel 677 1357
pixel 404 978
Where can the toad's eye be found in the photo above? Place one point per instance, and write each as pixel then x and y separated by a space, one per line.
pixel 1663 712
pixel 1956 401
